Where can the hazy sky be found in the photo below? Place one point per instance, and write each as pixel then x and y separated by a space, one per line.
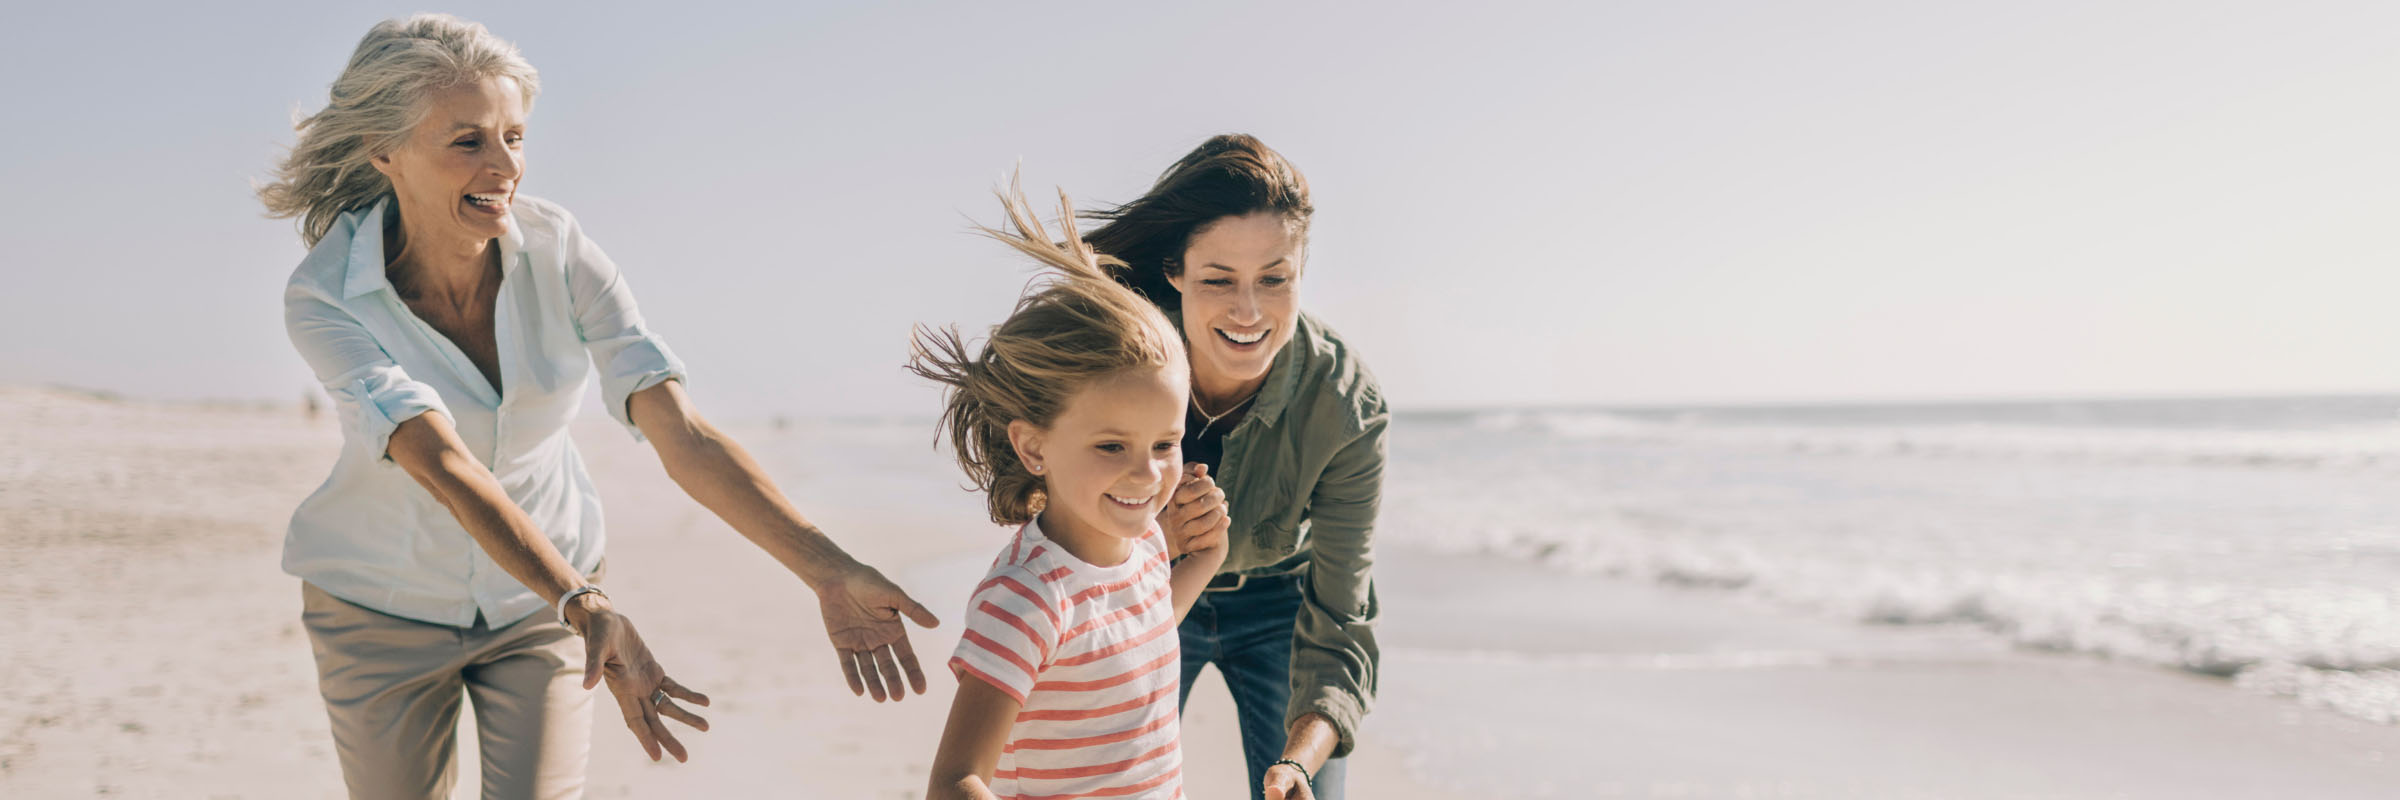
pixel 1579 203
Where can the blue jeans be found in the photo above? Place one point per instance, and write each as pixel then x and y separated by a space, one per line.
pixel 1247 633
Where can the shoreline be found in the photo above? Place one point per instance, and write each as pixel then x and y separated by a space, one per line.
pixel 155 651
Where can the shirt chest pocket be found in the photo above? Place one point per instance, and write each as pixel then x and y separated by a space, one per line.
pixel 1267 500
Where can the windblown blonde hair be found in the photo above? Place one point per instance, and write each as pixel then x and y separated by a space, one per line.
pixel 1074 324
pixel 379 98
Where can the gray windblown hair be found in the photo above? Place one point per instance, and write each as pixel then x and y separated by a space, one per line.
pixel 377 101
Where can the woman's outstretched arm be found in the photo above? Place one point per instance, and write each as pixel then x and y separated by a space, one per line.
pixel 862 609
pixel 428 448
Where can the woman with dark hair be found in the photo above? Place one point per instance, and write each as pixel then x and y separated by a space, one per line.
pixel 1290 426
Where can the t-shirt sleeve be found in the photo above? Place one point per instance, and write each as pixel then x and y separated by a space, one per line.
pixel 1011 630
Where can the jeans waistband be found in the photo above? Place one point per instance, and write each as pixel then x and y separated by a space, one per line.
pixel 1237 581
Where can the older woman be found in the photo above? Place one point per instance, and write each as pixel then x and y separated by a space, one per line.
pixel 1285 415
pixel 456 546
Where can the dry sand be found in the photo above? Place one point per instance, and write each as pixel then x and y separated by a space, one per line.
pixel 152 646
pixel 152 649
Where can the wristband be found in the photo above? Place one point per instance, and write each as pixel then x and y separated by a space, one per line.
pixel 569 597
pixel 1306 778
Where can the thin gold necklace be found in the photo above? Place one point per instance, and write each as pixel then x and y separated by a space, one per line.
pixel 1208 420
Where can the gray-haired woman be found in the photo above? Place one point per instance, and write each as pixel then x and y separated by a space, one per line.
pixel 455 547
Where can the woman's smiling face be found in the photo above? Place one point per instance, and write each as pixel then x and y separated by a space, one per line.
pixel 457 174
pixel 1241 297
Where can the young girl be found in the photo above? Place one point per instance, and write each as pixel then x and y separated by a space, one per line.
pixel 1070 419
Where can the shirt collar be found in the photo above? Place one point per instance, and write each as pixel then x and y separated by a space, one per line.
pixel 1281 378
pixel 365 273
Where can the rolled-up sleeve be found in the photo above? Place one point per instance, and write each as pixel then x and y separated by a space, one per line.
pixel 370 391
pixel 628 355
pixel 1334 656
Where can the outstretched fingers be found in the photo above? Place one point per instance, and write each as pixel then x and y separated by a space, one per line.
pixel 872 673
pixel 908 661
pixel 665 738
pixel 671 710
pixel 917 613
pixel 678 713
pixel 679 692
pixel 890 672
pixel 850 671
pixel 637 719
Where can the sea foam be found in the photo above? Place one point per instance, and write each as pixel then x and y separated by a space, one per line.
pixel 2271 557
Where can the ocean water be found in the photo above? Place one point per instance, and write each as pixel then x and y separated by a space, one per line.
pixel 2256 539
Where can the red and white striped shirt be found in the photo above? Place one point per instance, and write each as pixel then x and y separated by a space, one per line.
pixel 1090 654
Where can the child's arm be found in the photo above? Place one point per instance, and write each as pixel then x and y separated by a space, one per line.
pixel 1195 521
pixel 980 717
pixel 1011 625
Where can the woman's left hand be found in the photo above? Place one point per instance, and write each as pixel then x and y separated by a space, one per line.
pixel 862 616
pixel 1284 783
pixel 1308 740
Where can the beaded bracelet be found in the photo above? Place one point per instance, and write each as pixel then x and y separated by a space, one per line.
pixel 1304 776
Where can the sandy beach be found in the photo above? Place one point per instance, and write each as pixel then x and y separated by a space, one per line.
pixel 152 649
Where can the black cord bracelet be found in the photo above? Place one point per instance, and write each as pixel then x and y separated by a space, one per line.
pixel 1306 778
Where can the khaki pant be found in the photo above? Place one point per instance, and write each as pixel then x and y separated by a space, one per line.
pixel 392 688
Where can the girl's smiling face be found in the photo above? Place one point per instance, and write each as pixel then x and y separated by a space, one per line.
pixel 1109 460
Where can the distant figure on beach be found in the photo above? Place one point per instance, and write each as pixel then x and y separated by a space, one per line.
pixel 310 406
pixel 1288 418
pixel 458 544
pixel 1069 419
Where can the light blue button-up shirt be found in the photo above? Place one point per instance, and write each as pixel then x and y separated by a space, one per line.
pixel 374 537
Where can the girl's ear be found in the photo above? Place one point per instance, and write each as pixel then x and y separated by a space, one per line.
pixel 1027 437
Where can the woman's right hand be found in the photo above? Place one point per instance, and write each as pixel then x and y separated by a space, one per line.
pixel 613 650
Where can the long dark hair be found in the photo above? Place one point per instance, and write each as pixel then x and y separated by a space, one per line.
pixel 1230 175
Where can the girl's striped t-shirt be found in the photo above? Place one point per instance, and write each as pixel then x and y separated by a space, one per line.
pixel 1090 654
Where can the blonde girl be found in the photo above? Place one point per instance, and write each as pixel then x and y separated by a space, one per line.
pixel 1070 419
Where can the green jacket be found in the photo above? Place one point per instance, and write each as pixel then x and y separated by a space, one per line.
pixel 1303 475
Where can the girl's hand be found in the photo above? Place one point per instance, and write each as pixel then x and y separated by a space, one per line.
pixel 612 650
pixel 1196 518
pixel 1284 783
